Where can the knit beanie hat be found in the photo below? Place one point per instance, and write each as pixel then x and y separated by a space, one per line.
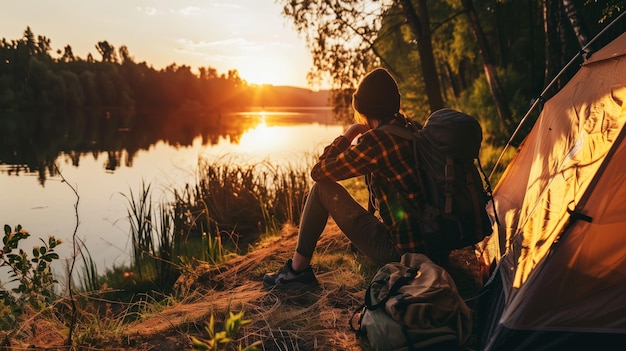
pixel 377 95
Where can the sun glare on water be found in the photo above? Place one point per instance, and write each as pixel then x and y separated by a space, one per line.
pixel 262 138
pixel 277 139
pixel 283 144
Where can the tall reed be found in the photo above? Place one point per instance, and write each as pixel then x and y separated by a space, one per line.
pixel 154 239
pixel 140 218
pixel 240 203
pixel 88 278
pixel 228 208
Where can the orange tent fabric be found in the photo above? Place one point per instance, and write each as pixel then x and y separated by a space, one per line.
pixel 561 203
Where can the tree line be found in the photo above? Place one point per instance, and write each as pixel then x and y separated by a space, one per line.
pixel 34 78
pixel 490 58
pixel 55 102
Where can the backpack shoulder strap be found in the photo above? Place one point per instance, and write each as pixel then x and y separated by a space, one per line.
pixel 409 131
pixel 407 128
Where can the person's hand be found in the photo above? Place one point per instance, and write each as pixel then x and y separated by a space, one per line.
pixel 355 130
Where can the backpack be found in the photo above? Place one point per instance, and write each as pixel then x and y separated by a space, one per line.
pixel 452 212
pixel 413 305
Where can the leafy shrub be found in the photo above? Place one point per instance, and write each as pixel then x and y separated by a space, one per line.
pixel 32 278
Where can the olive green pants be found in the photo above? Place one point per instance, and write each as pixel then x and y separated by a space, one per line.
pixel 366 232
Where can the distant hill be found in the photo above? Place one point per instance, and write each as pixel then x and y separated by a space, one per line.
pixel 271 95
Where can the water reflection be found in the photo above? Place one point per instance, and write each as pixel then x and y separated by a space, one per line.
pixel 104 165
pixel 32 142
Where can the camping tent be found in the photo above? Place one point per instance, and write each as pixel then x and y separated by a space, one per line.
pixel 560 245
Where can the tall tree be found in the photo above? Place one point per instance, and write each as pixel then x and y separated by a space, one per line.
pixel 29 40
pixel 554 43
pixel 44 46
pixel 343 36
pixel 125 54
pixel 107 51
pixel 495 87
pixel 68 54
pixel 419 22
pixel 577 22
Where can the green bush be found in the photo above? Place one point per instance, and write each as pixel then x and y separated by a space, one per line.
pixel 32 278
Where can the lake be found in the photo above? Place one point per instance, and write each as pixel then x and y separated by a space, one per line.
pixel 35 195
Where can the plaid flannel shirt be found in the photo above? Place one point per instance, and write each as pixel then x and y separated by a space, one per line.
pixel 383 158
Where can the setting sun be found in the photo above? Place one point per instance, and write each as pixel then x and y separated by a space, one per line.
pixel 268 68
pixel 250 36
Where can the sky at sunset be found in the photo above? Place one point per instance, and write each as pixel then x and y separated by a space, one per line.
pixel 248 35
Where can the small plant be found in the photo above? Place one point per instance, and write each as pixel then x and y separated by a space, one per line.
pixel 34 278
pixel 155 245
pixel 214 251
pixel 220 340
pixel 88 276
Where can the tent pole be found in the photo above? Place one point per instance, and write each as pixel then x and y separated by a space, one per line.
pixel 540 98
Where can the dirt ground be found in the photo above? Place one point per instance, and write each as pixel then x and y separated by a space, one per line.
pixel 317 320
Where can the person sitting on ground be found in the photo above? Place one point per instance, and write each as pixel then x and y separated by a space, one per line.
pixel 383 158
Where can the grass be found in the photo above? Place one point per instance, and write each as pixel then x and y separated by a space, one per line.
pixel 281 321
pixel 203 256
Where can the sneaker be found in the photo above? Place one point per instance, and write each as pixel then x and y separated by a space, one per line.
pixel 287 278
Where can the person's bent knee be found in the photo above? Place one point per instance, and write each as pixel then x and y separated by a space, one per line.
pixel 324 186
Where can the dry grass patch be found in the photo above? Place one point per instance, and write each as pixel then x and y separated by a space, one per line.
pixel 316 320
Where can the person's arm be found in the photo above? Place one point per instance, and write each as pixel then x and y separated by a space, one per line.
pixel 355 130
pixel 342 160
pixel 342 142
